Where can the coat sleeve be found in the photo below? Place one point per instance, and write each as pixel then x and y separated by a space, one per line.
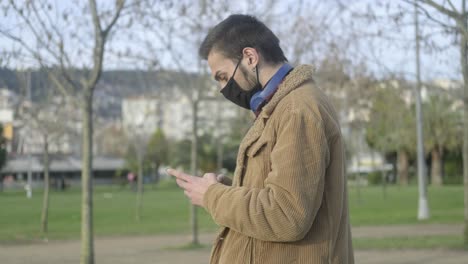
pixel 285 208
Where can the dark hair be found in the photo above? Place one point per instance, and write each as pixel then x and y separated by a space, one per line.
pixel 237 32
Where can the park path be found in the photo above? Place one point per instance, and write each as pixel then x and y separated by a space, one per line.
pixel 406 230
pixel 160 249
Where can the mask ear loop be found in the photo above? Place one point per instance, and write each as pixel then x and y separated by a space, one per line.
pixel 256 70
pixel 235 70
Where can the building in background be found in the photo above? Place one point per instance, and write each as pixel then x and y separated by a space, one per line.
pixel 174 114
pixel 142 113
pixel 8 103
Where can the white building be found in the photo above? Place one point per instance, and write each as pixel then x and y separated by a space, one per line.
pixel 8 101
pixel 177 118
pixel 173 114
pixel 61 124
pixel 142 113
pixel 215 116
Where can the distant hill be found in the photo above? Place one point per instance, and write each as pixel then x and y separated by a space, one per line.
pixel 112 87
pixel 136 81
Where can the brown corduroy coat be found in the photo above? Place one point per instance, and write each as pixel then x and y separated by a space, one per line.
pixel 288 202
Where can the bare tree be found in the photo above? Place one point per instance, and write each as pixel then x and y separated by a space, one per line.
pixel 49 120
pixel 445 18
pixel 454 20
pixel 140 141
pixel 185 22
pixel 138 138
pixel 60 37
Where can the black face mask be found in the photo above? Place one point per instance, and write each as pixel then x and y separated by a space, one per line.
pixel 237 95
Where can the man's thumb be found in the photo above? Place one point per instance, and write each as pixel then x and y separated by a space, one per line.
pixel 210 176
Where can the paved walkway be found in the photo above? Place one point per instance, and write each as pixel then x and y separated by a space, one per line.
pixel 406 230
pixel 159 249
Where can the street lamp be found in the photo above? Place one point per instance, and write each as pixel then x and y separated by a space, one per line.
pixel 423 207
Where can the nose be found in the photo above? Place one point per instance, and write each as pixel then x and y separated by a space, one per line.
pixel 221 85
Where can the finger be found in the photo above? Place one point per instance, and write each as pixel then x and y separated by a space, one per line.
pixel 179 175
pixel 209 176
pixel 183 184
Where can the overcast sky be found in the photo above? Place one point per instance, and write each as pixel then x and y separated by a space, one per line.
pixel 393 54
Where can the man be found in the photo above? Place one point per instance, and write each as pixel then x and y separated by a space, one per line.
pixel 288 199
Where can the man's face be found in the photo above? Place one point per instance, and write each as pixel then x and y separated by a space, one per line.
pixel 222 69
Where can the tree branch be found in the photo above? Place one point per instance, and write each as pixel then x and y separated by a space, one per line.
pixel 100 39
pixel 442 9
pixel 61 87
pixel 458 17
pixel 432 18
pixel 120 5
pixel 454 9
pixel 95 16
pixel 59 57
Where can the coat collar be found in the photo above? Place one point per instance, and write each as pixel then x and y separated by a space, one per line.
pixel 293 80
pixel 298 76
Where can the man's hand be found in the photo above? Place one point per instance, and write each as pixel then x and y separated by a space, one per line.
pixel 194 187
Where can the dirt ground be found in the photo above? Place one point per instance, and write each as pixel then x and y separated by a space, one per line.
pixel 162 249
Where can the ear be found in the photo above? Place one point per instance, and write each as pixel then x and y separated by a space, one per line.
pixel 252 57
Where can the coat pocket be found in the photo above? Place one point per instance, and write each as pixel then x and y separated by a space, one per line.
pixel 258 164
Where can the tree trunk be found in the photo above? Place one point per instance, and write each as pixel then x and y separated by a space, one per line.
pixel 219 141
pixel 436 167
pixel 87 239
pixel 402 167
pixel 139 201
pixel 156 173
pixel 45 202
pixel 219 156
pixel 465 137
pixel 194 168
pixel 464 66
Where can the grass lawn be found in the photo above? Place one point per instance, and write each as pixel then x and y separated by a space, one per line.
pixel 166 210
pixel 400 205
